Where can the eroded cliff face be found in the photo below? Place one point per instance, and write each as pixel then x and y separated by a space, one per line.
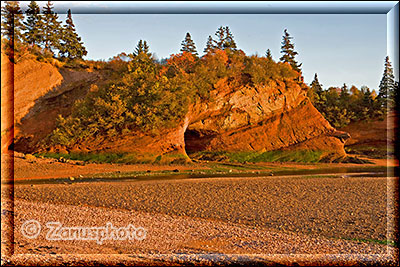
pixel 22 85
pixel 276 116
pixel 273 117
pixel 33 95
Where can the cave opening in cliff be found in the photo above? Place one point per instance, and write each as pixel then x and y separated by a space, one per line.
pixel 192 138
pixel 196 140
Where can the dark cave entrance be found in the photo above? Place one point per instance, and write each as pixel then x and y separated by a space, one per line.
pixel 192 141
pixel 197 140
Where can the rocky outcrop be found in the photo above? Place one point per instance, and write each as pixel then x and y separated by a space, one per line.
pixel 302 128
pixel 33 95
pixel 22 85
pixel 277 116
pixel 42 117
pixel 274 117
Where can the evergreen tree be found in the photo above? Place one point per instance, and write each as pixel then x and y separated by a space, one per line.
pixel 269 55
pixel 33 22
pixel 219 43
pixel 316 93
pixel 344 90
pixel 71 45
pixel 51 28
pixel 11 23
pixel 344 96
pixel 209 45
pixel 366 105
pixel 288 52
pixel 366 97
pixel 355 98
pixel 228 40
pixel 146 48
pixel 188 45
pixel 386 86
pixel 141 47
pixel 224 39
pixel 317 87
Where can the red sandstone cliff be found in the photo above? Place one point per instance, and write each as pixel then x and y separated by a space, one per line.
pixel 272 117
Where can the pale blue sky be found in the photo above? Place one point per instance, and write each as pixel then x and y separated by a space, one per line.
pixel 341 48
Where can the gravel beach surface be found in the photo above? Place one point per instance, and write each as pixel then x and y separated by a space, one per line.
pixel 180 239
pixel 352 208
pixel 206 221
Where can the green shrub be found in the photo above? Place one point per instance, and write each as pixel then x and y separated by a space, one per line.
pixel 147 96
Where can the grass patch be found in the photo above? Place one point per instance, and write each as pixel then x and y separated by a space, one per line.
pixel 172 158
pixel 289 156
pixel 89 157
pixel 123 158
pixel 304 156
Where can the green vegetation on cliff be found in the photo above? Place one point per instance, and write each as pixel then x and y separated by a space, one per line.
pixel 149 96
pixel 144 96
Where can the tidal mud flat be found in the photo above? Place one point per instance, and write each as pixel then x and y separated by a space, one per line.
pixel 213 219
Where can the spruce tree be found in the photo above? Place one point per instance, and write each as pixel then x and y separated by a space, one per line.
pixel 146 48
pixel 386 86
pixel 141 47
pixel 224 39
pixel 209 45
pixel 228 40
pixel 51 27
pixel 188 45
pixel 269 55
pixel 33 34
pixel 317 87
pixel 316 93
pixel 344 92
pixel 366 97
pixel 344 97
pixel 11 23
pixel 288 52
pixel 71 45
pixel 219 43
pixel 366 108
